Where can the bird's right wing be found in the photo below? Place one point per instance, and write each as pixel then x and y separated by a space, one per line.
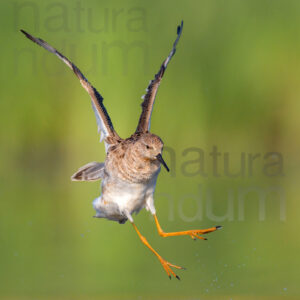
pixel 105 126
pixel 89 172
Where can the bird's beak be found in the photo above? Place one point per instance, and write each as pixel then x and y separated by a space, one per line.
pixel 161 160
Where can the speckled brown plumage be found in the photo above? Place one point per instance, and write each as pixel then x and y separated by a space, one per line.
pixel 132 165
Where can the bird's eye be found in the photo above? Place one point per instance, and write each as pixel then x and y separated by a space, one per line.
pixel 147 147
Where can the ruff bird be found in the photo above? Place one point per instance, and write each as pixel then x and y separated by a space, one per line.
pixel 132 165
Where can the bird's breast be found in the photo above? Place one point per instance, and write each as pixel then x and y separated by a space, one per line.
pixel 131 168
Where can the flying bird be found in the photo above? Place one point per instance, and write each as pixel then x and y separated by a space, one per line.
pixel 132 165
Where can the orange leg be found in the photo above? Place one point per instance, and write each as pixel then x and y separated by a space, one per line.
pixel 192 233
pixel 166 265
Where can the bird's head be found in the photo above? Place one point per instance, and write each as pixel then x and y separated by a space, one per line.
pixel 150 147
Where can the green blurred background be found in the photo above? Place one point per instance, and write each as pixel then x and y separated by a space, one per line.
pixel 233 84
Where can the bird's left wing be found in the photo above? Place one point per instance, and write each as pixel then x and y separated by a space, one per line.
pixel 105 126
pixel 149 98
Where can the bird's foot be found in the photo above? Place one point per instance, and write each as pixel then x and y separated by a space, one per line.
pixel 167 266
pixel 195 234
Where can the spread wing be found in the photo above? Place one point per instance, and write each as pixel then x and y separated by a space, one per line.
pixel 149 98
pixel 105 126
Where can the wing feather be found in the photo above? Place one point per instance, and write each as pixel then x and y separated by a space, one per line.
pixel 105 125
pixel 149 97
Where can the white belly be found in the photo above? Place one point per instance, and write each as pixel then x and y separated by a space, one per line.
pixel 120 198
